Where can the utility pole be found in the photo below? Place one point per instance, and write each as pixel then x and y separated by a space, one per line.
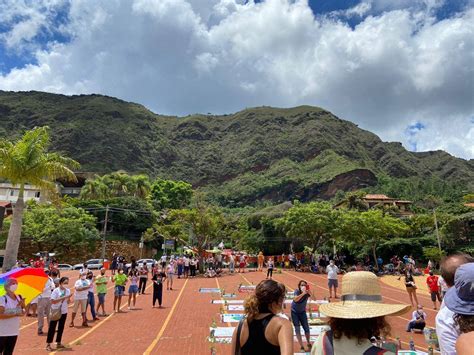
pixel 437 231
pixel 104 232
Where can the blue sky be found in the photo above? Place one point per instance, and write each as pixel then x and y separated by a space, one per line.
pixel 402 69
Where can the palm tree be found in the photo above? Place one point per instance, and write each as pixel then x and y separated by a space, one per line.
pixel 95 189
pixel 141 186
pixel 27 161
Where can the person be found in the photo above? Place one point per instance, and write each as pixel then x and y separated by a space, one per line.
pixel 133 263
pixel 32 306
pixel 219 261
pixel 186 266
pixel 44 302
pixel 84 269
pixel 418 319
pixel 242 263
pixel 332 271
pixel 169 275
pixel 270 267
pixel 460 298
pixel 12 307
pixel 158 279
pixel 292 260
pixel 262 331
pixel 192 267
pixel 60 297
pixel 446 329
pixel 120 279
pixel 81 291
pixel 113 265
pixel 163 261
pixel 179 264
pixel 101 286
pixel 410 285
pixel 443 287
pixel 298 313
pixel 133 288
pixel 261 259
pixel 360 316
pixel 120 262
pixel 91 295
pixel 464 344
pixel 432 282
pixel 232 263
pixel 143 278
pixel 55 276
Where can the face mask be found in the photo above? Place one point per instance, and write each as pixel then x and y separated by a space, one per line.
pixel 303 288
pixel 65 285
pixel 83 277
pixel 120 272
pixel 13 288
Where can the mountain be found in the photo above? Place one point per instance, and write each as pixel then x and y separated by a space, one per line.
pixel 256 154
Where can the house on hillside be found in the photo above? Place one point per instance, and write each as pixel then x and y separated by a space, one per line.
pixel 400 207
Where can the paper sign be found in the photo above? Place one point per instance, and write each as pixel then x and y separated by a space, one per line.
pixel 235 307
pixel 232 317
pixel 222 331
pixel 210 290
pixel 229 295
pixel 227 301
pixel 247 288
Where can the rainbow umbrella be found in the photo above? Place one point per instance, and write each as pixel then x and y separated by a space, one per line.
pixel 31 282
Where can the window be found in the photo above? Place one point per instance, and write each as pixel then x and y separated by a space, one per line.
pixel 37 194
pixel 12 192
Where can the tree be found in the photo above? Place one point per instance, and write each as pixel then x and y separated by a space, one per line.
pixel 62 230
pixel 27 161
pixel 170 194
pixel 458 233
pixel 312 223
pixel 371 228
pixel 95 189
pixel 117 184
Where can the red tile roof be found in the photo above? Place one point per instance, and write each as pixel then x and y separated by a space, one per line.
pixel 377 197
pixel 470 204
pixel 5 204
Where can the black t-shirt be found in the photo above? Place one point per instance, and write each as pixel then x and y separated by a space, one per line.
pixel 158 277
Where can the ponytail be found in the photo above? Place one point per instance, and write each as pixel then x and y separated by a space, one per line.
pixel 251 307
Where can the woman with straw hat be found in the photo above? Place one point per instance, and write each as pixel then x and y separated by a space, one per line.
pixel 359 316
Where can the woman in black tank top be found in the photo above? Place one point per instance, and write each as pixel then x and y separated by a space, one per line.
pixel 251 336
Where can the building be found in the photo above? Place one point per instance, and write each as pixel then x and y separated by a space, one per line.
pixel 9 193
pixel 399 207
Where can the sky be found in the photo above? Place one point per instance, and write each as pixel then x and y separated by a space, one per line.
pixel 403 69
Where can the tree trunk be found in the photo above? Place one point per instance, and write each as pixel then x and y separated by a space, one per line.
pixel 14 234
pixel 376 265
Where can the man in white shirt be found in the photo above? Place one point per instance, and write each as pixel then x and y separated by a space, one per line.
pixel 332 271
pixel 81 291
pixel 418 319
pixel 44 302
pixel 446 329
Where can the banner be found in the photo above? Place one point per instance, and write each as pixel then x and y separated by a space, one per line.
pixel 232 317
pixel 210 290
pixel 227 301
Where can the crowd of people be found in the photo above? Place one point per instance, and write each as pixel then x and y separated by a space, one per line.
pixel 354 322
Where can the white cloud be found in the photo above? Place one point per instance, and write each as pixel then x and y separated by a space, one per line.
pixel 397 67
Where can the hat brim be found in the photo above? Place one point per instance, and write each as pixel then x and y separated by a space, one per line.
pixel 360 310
pixel 456 304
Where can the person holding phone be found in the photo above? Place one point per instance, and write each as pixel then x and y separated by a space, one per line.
pixel 12 307
pixel 298 313
pixel 60 297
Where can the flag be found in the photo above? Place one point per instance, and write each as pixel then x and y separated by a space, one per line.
pixel 31 282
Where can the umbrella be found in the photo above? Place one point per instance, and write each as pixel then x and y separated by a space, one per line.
pixel 31 282
pixel 214 251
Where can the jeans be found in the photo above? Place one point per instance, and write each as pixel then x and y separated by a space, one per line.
pixel 300 318
pixel 7 344
pixel 232 267
pixel 270 272
pixel 52 328
pixel 91 302
pixel 157 293
pixel 415 325
pixel 142 285
pixel 44 305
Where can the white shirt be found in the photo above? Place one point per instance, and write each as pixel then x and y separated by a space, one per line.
pixel 186 262
pixel 10 326
pixel 416 314
pixel 48 288
pixel 446 331
pixel 58 293
pixel 442 284
pixel 81 295
pixel 332 272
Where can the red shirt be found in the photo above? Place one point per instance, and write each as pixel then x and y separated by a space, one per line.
pixel 432 282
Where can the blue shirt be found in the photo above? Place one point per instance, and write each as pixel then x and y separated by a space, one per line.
pixel 299 307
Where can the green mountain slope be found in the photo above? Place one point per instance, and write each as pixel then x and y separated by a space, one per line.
pixel 256 154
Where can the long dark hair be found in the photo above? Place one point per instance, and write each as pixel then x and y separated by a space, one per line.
pixel 464 322
pixel 266 293
pixel 361 329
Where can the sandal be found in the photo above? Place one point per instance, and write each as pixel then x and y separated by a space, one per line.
pixel 71 325
pixel 60 346
pixel 49 348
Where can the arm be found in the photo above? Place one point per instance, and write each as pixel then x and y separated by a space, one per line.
pixel 6 316
pixel 285 338
pixel 234 340
pixel 300 297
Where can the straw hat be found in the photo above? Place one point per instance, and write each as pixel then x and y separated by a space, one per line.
pixel 361 298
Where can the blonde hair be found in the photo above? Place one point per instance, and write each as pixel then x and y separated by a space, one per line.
pixel 266 293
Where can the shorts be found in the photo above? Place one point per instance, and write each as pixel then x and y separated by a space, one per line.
pixel 79 303
pixel 169 275
pixel 332 283
pixel 434 296
pixel 119 290
pixel 300 318
pixel 133 289
pixel 242 265
pixel 101 297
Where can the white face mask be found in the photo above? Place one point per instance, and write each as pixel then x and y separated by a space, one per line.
pixel 83 277
pixel 13 287
pixel 303 288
